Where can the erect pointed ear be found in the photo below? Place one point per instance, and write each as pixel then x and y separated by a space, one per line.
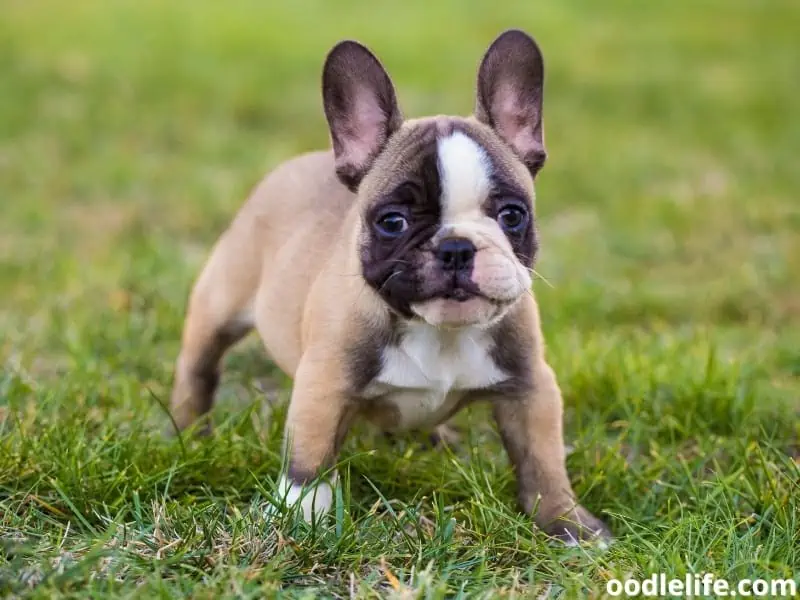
pixel 361 109
pixel 510 90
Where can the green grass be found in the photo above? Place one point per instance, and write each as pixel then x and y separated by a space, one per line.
pixel 130 132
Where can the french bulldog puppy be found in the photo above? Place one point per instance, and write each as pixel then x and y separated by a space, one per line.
pixel 391 278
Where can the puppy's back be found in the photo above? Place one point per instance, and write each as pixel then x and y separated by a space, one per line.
pixel 275 247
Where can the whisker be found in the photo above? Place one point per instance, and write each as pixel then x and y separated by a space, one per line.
pixel 388 279
pixel 540 276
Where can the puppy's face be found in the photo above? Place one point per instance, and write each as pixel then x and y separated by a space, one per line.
pixel 447 232
pixel 446 203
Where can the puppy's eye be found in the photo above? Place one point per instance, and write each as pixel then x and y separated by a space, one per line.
pixel 392 224
pixel 512 218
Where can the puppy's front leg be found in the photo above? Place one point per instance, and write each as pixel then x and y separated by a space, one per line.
pixel 531 429
pixel 316 424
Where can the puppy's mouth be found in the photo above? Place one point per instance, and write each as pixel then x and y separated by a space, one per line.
pixel 461 289
pixel 452 313
pixel 461 303
pixel 459 295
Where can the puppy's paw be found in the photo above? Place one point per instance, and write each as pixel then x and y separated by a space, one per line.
pixel 577 526
pixel 444 435
pixel 313 500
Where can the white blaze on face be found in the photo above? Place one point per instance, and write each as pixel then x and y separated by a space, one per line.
pixel 315 500
pixel 465 173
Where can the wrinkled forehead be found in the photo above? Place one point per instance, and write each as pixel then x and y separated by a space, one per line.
pixel 457 163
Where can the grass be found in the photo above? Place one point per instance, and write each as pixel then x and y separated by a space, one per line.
pixel 130 132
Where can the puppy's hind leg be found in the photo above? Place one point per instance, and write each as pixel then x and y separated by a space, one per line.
pixel 219 315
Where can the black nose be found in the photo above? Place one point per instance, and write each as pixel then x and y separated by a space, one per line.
pixel 456 254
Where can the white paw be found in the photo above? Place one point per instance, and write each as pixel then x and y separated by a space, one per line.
pixel 315 500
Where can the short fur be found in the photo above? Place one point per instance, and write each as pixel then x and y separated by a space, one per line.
pixel 390 277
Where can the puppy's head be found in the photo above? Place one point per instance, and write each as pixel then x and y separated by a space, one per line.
pixel 446 203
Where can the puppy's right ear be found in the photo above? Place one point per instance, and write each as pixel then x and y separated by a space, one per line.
pixel 361 109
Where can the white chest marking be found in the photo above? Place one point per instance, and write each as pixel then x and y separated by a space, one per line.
pixel 429 371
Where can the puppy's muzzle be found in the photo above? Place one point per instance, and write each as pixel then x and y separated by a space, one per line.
pixel 456 259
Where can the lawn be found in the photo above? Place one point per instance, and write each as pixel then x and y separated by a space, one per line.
pixel 131 131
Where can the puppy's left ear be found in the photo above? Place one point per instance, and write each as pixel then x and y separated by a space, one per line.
pixel 510 91
pixel 361 109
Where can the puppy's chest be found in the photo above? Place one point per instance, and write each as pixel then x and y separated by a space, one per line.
pixel 426 375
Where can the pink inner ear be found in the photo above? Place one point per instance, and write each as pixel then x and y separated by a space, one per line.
pixel 514 121
pixel 366 133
